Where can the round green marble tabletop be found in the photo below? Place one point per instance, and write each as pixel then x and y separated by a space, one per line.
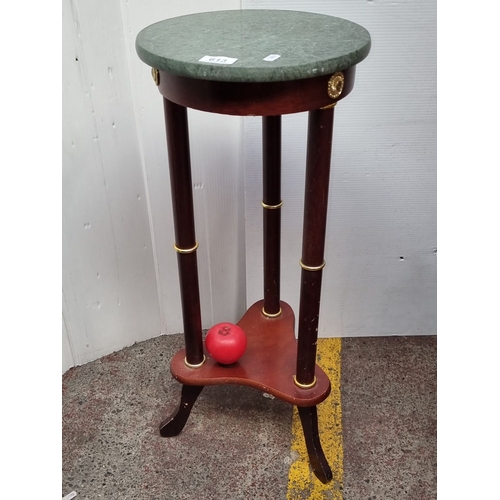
pixel 253 45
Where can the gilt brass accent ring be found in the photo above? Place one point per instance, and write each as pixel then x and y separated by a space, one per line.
pixel 272 207
pixel 335 85
pixel 269 315
pixel 185 250
pixel 312 268
pixel 189 365
pixel 305 386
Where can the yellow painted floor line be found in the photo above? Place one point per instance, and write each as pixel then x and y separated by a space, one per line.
pixel 302 483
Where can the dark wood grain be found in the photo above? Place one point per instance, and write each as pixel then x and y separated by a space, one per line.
pixel 271 189
pixel 309 419
pixel 319 147
pixel 252 98
pixel 185 238
pixel 173 424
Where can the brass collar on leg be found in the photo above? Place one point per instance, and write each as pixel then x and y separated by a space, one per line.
pixel 312 268
pixel 189 365
pixel 269 315
pixel 185 250
pixel 272 207
pixel 305 386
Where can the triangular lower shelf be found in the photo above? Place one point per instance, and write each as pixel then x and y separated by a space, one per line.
pixel 268 364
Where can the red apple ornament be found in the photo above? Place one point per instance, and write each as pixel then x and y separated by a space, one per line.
pixel 226 343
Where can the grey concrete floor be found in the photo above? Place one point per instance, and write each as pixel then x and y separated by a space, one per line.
pixel 236 444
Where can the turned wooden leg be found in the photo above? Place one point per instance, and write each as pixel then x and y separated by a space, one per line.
pixel 319 147
pixel 309 418
pixel 271 202
pixel 173 425
pixel 185 239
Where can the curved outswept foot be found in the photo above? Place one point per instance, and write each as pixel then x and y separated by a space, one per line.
pixel 309 418
pixel 173 425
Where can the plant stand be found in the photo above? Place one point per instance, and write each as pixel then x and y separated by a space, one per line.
pixel 265 63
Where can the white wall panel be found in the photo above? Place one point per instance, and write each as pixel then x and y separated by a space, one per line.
pixel 108 274
pixel 120 282
pixel 216 154
pixel 383 184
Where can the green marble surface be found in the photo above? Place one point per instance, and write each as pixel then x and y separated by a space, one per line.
pixel 308 45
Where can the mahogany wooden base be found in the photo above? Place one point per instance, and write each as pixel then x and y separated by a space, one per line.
pixel 267 365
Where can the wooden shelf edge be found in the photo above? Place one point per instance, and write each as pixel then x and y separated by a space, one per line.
pixel 268 364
